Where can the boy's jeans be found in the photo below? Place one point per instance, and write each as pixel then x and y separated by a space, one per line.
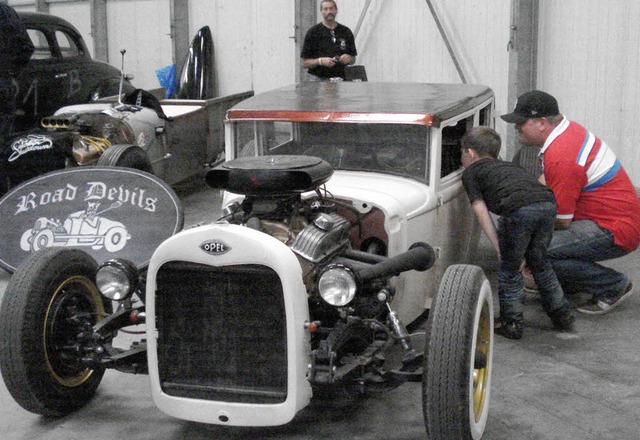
pixel 525 234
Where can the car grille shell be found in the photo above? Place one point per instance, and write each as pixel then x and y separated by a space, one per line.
pixel 221 332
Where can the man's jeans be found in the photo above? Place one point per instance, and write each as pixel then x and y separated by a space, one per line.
pixel 573 253
pixel 525 234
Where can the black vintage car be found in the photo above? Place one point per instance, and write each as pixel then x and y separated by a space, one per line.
pixel 61 71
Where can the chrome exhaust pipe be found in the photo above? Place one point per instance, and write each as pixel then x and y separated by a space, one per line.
pixel 58 122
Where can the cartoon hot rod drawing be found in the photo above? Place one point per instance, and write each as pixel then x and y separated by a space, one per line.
pixel 82 228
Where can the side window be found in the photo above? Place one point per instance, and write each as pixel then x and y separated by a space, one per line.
pixel 485 116
pixel 451 154
pixel 42 50
pixel 68 47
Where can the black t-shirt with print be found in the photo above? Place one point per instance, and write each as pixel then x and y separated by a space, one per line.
pixel 504 186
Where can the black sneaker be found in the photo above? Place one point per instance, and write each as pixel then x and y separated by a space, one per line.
pixel 564 322
pixel 604 305
pixel 509 328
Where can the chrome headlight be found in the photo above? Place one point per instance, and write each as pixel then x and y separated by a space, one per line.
pixel 117 279
pixel 337 285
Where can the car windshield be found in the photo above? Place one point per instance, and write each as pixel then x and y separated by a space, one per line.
pixel 399 149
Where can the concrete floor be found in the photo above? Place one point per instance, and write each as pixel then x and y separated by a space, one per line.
pixel 549 385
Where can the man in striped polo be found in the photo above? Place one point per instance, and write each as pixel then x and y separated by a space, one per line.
pixel 598 207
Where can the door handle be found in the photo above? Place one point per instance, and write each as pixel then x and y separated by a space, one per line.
pixel 61 75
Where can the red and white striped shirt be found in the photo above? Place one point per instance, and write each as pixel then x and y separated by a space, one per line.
pixel 590 183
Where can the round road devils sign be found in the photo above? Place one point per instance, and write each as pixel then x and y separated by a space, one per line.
pixel 106 211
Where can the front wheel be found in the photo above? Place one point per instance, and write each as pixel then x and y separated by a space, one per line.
pixel 457 378
pixel 128 156
pixel 49 301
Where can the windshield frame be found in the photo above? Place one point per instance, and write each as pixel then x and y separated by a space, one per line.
pixel 388 148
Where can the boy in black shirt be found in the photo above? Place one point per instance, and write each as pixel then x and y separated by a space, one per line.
pixel 527 211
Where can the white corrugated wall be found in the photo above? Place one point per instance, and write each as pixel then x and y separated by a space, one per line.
pixel 253 40
pixel 399 41
pixel 589 59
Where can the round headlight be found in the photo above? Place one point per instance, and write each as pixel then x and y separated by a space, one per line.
pixel 117 279
pixel 337 286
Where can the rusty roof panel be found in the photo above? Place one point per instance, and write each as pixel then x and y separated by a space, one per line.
pixel 363 102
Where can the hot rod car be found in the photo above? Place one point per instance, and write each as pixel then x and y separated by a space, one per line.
pixel 171 138
pixel 339 264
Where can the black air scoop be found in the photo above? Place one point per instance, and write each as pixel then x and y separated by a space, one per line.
pixel 270 175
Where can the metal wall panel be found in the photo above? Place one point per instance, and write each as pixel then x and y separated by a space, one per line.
pixel 589 60
pixel 399 41
pixel 254 48
pixel 142 28
pixel 78 14
pixel 230 24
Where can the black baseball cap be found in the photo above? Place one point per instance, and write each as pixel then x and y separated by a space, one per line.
pixel 534 104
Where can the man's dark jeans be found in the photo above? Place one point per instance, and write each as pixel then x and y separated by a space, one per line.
pixel 573 253
pixel 525 235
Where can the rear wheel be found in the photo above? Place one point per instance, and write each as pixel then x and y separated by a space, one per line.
pixel 128 156
pixel 50 299
pixel 457 379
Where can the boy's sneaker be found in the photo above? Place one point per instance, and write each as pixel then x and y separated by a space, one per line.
pixel 511 329
pixel 564 322
pixel 604 305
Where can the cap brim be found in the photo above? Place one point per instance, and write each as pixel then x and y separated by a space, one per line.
pixel 513 118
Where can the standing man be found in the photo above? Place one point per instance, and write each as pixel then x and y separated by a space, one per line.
pixel 15 51
pixel 598 207
pixel 328 46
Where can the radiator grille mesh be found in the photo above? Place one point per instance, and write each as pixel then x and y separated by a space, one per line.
pixel 221 332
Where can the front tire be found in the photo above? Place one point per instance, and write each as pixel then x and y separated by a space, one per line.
pixel 50 299
pixel 456 384
pixel 128 156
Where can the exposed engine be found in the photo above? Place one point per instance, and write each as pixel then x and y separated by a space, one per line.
pixel 95 130
pixel 348 289
pixel 79 136
pixel 92 133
